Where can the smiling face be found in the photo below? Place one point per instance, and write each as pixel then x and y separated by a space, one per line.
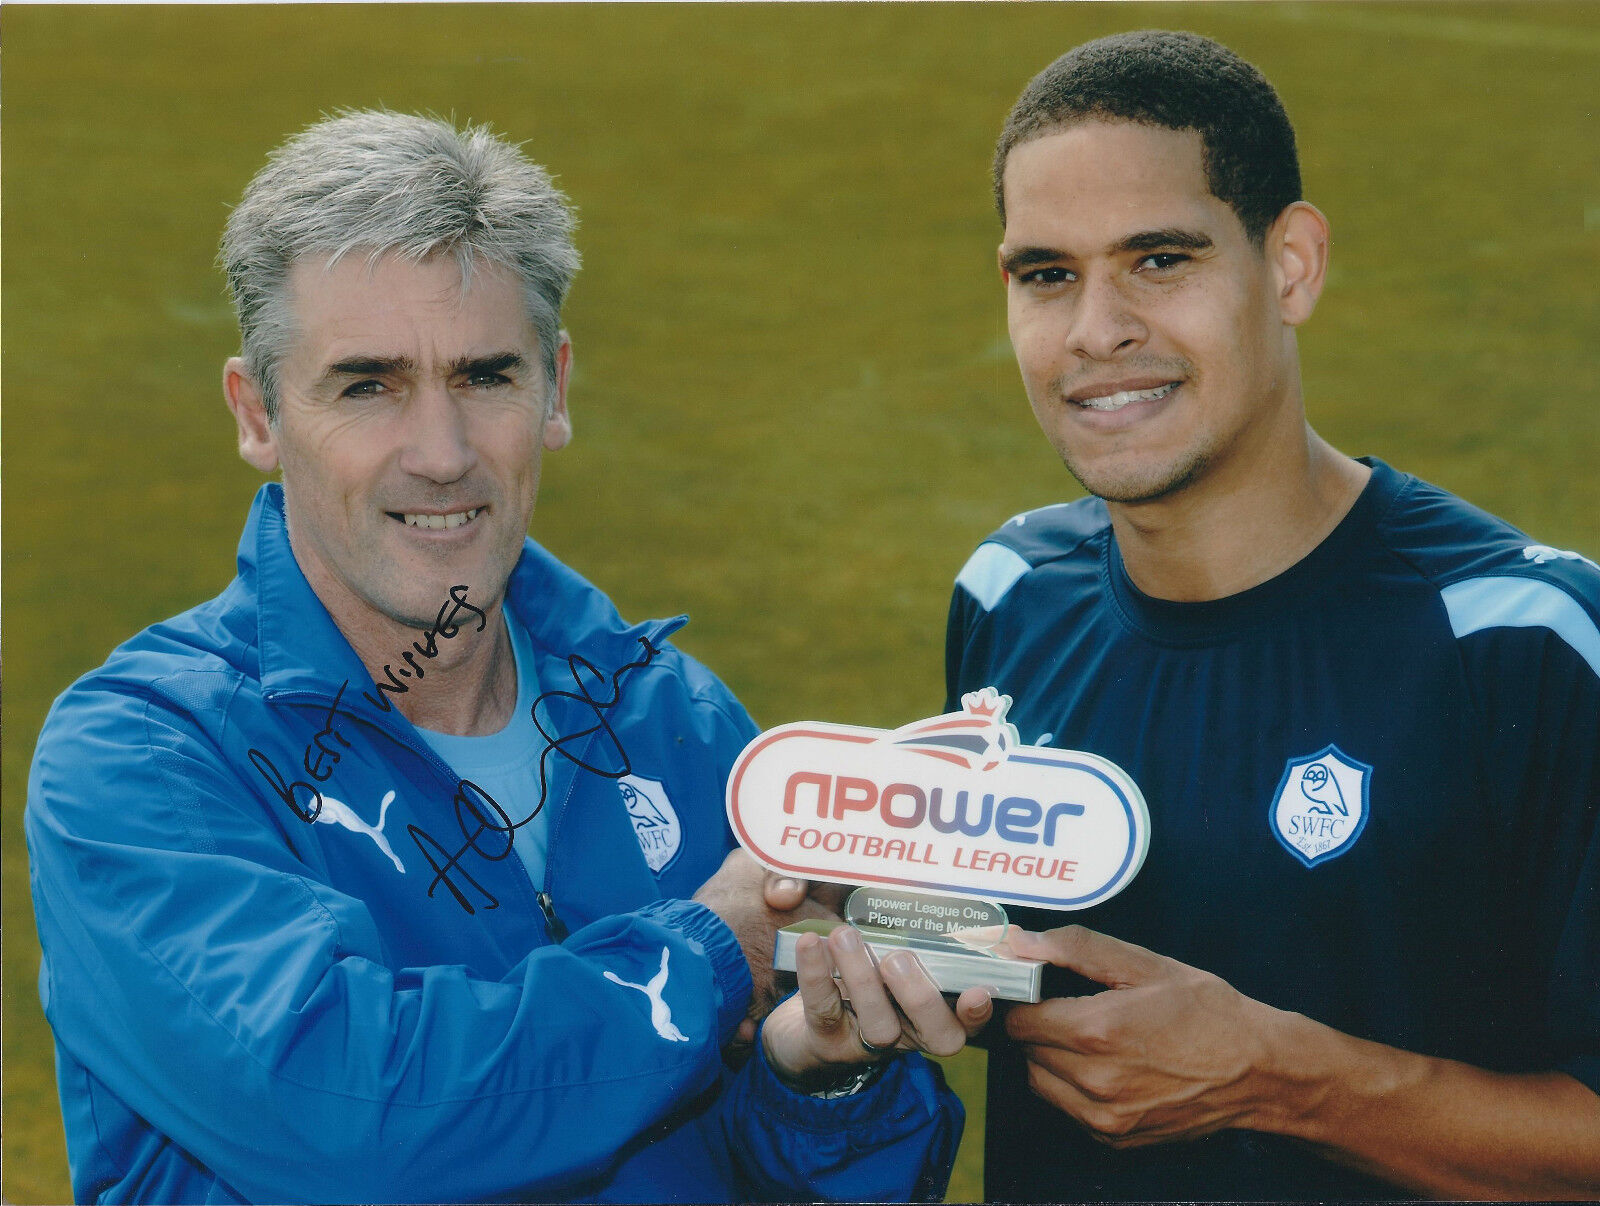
pixel 412 418
pixel 1155 341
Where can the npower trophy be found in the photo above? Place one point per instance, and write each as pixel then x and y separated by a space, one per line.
pixel 939 822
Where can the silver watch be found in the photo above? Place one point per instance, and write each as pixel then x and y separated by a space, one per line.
pixel 859 1078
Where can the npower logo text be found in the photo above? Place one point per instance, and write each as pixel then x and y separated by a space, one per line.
pixel 953 804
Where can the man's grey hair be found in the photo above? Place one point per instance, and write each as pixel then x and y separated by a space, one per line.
pixel 374 183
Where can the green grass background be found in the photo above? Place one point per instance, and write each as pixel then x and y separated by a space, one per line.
pixel 796 410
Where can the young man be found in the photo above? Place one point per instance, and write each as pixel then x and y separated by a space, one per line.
pixel 1363 955
pixel 399 871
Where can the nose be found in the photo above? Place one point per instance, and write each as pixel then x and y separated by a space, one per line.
pixel 437 443
pixel 1104 321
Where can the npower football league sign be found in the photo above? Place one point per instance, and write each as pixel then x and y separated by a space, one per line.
pixel 956 804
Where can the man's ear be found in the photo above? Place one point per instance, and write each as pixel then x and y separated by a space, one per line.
pixel 258 443
pixel 1297 248
pixel 557 420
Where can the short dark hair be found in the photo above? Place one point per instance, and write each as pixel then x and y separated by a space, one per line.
pixel 1179 81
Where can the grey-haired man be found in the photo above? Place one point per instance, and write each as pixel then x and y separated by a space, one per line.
pixel 399 870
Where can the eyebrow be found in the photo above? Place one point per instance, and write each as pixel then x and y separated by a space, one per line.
pixel 392 366
pixel 495 362
pixel 368 366
pixel 1026 257
pixel 1157 240
pixel 1171 238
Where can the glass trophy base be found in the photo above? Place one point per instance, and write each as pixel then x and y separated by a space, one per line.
pixel 952 964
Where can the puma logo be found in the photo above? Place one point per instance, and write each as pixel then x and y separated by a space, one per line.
pixel 660 1011
pixel 336 812
pixel 1543 554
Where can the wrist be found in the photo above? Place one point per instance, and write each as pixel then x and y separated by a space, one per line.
pixel 825 1080
pixel 850 1080
pixel 1288 1086
pixel 830 1080
pixel 1319 1082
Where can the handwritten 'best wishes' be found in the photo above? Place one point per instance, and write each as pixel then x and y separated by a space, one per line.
pixel 486 829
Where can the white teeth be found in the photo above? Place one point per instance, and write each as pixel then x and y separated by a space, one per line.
pixel 439 523
pixel 1119 400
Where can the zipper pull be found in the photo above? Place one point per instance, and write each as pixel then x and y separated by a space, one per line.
pixel 553 925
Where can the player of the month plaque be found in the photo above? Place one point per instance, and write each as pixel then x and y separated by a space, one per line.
pixel 941 822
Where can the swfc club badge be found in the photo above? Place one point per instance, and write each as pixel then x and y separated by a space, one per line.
pixel 1321 805
pixel 954 804
pixel 655 821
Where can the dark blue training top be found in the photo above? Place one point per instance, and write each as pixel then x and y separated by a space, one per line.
pixel 1373 785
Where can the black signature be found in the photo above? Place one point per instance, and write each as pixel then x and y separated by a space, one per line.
pixel 444 625
pixel 486 828
pixel 319 765
pixel 481 819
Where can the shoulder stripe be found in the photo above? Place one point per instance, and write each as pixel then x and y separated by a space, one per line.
pixel 1516 602
pixel 990 572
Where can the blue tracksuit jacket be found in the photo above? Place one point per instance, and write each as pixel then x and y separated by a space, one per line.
pixel 287 957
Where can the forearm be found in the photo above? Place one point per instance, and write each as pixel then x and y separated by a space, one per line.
pixel 1433 1126
pixel 322 1069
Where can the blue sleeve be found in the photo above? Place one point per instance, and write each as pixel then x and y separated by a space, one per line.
pixel 895 1141
pixel 733 728
pixel 248 1012
pixel 960 646
pixel 1535 677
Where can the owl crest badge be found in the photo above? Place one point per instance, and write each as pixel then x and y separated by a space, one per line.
pixel 1321 805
